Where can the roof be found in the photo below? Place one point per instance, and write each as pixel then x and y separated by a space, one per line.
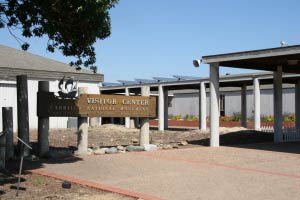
pixel 263 59
pixel 16 62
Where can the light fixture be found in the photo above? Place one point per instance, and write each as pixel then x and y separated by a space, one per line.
pixel 197 63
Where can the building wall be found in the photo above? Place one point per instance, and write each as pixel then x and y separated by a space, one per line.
pixel 8 98
pixel 188 103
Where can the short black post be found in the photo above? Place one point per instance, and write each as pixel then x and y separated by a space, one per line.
pixel 43 125
pixel 23 121
pixel 7 118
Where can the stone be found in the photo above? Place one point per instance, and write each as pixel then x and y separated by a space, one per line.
pixel 134 141
pixel 99 151
pixel 111 150
pixel 150 147
pixel 122 151
pixel 167 146
pixel 90 150
pixel 132 148
pixel 183 143
pixel 120 148
pixel 174 145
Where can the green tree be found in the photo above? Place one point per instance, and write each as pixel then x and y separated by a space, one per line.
pixel 72 26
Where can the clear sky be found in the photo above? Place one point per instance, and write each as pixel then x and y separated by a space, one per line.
pixel 162 37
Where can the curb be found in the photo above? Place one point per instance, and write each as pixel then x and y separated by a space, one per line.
pixel 94 185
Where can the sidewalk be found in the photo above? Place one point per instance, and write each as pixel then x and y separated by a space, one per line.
pixel 195 173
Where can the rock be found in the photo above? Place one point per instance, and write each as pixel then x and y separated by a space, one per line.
pixel 183 143
pixel 120 148
pixel 174 145
pixel 150 147
pixel 111 150
pixel 90 150
pixel 122 151
pixel 99 151
pixel 31 158
pixel 166 146
pixel 134 141
pixel 132 148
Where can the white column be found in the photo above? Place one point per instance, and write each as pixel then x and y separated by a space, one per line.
pixel 256 92
pixel 244 105
pixel 145 127
pixel 297 104
pixel 214 105
pixel 202 106
pixel 278 104
pixel 82 135
pixel 160 108
pixel 166 108
pixel 127 119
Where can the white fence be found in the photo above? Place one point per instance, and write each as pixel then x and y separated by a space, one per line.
pixel 289 134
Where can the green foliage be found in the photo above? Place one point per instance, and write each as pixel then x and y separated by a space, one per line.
pixel 269 118
pixel 191 118
pixel 289 118
pixel 72 26
pixel 176 117
pixel 225 119
pixel 237 117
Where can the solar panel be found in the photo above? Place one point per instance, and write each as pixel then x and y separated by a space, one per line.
pixel 124 82
pixel 110 84
pixel 163 79
pixel 186 77
pixel 145 80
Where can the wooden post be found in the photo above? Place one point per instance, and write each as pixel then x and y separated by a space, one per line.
pixel 7 118
pixel 43 125
pixel 23 121
pixel 2 150
pixel 144 132
pixel 82 138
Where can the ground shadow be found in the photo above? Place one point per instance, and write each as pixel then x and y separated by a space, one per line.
pixel 252 140
pixel 9 175
pixel 173 129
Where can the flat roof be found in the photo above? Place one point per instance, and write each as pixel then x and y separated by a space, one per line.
pixel 263 59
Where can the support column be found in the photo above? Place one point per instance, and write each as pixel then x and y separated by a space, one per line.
pixel 160 108
pixel 278 105
pixel 2 149
pixel 127 119
pixel 100 118
pixel 214 105
pixel 166 108
pixel 43 125
pixel 7 119
pixel 256 92
pixel 202 106
pixel 82 137
pixel 297 105
pixel 145 127
pixel 23 119
pixel 244 105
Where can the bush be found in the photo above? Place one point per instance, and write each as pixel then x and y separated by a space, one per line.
pixel 289 118
pixel 176 117
pixel 236 117
pixel 191 118
pixel 269 118
pixel 225 119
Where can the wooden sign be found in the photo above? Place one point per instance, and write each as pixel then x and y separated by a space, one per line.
pixel 94 105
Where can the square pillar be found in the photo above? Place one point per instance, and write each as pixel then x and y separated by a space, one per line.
pixel 256 92
pixel 297 105
pixel 244 105
pixel 278 105
pixel 166 108
pixel 214 105
pixel 160 108
pixel 202 106
pixel 127 119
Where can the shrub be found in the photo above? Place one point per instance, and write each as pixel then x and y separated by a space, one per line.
pixel 191 118
pixel 176 117
pixel 225 119
pixel 237 117
pixel 289 118
pixel 269 118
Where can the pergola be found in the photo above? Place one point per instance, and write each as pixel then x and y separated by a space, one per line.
pixel 277 60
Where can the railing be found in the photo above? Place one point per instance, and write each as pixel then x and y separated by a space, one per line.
pixel 290 134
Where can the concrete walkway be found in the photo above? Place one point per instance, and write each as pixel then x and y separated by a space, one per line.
pixel 196 173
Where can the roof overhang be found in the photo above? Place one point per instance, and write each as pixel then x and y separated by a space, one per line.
pixel 264 59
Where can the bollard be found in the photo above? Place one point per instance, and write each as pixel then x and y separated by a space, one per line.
pixel 43 125
pixel 7 118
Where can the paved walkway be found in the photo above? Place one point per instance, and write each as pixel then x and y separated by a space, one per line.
pixel 195 173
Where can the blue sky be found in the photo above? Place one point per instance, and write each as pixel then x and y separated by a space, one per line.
pixel 162 37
